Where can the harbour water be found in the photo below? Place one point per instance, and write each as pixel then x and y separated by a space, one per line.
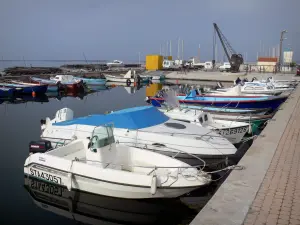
pixel 44 204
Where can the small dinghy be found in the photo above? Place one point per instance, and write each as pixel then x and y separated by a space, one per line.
pixel 129 78
pixel 231 130
pixel 98 165
pixel 147 128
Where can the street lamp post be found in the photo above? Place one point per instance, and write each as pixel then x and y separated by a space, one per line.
pixel 140 59
pixel 280 49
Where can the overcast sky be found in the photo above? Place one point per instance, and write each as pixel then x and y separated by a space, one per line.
pixel 119 29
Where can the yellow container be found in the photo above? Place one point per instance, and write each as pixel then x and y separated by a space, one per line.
pixel 152 89
pixel 154 62
pixel 170 57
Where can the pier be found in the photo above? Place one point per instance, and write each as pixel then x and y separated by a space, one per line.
pixel 267 190
pixel 223 77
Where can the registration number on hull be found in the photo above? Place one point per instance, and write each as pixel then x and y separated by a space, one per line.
pixel 46 188
pixel 231 131
pixel 45 176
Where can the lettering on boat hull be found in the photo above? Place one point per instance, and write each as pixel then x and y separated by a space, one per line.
pixel 45 176
pixel 230 131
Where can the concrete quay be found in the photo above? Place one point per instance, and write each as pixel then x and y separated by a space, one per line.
pixel 223 77
pixel 267 190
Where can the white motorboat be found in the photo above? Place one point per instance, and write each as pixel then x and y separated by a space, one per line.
pixel 233 91
pixel 96 164
pixel 232 130
pixel 148 128
pixel 89 208
pixel 115 63
pixel 129 78
pixel 278 83
pixel 256 88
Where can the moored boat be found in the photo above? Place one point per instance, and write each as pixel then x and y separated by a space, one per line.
pixel 234 131
pixel 256 121
pixel 75 86
pixel 147 128
pixel 99 165
pixel 52 86
pixel 26 89
pixel 129 78
pixel 74 79
pixel 237 101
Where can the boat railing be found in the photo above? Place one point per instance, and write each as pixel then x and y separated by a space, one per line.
pixel 179 169
pixel 176 154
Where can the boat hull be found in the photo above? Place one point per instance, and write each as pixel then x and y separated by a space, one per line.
pixel 125 80
pixel 26 89
pixel 96 179
pixel 256 104
pixel 7 92
pixel 93 81
pixel 227 110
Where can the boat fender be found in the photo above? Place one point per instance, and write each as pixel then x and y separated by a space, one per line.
pixel 69 184
pixel 153 184
pixel 250 129
pixel 128 82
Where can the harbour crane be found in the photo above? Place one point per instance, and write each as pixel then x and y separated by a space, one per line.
pixel 234 58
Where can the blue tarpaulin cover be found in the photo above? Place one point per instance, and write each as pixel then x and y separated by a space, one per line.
pixel 131 118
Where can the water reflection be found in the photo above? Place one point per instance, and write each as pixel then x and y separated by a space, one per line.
pixel 20 123
pixel 95 209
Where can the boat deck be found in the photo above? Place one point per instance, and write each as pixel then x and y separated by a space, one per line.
pixel 267 190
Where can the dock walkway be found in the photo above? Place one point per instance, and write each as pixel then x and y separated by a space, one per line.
pixel 224 77
pixel 267 191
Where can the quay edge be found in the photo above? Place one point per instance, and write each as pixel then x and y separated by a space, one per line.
pixel 224 77
pixel 230 204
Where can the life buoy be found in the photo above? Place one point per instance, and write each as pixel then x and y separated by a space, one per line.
pixel 128 82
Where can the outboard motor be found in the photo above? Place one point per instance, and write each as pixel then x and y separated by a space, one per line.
pixel 80 86
pixel 40 146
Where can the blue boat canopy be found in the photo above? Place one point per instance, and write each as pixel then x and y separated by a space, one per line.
pixel 131 118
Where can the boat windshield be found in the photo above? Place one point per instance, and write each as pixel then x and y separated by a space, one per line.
pixel 102 136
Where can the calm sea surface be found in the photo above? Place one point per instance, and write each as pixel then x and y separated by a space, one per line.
pixel 44 204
